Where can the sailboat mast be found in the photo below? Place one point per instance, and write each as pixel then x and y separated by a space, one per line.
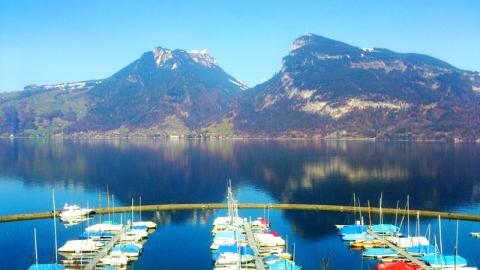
pixel 440 234
pixel 35 244
pixel 108 205
pixel 132 210
pixel 354 209
pixel 408 215
pixel 55 226
pixel 113 206
pixel 456 247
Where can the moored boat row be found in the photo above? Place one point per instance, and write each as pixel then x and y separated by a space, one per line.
pixel 395 251
pixel 239 243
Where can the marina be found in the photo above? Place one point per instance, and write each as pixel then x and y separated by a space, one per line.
pixel 184 203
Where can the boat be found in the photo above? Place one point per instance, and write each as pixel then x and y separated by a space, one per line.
pixel 385 229
pixel 397 266
pixel 420 250
pixel 50 266
pixel 105 227
pixel 115 260
pixel 269 240
pixel 74 211
pixel 227 238
pixel 232 258
pixel 379 252
pixel 364 244
pixel 475 234
pixel 150 225
pixel 128 250
pixel 134 236
pixel 96 235
pixel 358 237
pixel 232 248
pixel 441 261
pixel 80 246
pixel 353 229
pixel 410 241
pixel 284 265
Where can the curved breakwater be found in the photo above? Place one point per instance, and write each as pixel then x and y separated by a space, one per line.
pixel 301 207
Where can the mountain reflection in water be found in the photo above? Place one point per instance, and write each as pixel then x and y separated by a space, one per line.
pixel 436 175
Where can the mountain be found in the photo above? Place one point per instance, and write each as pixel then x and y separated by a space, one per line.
pixel 164 91
pixel 327 88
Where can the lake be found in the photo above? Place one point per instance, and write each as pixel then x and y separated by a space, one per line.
pixel 437 176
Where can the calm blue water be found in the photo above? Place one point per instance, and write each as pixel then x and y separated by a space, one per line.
pixel 436 176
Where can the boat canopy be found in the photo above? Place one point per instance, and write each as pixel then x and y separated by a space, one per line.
pixel 436 260
pixel 284 265
pixel 244 250
pixel 51 266
pixel 131 248
pixel 379 252
pixel 87 235
pixel 385 228
pixel 353 229
pixel 229 234
pixel 358 237
pixel 421 249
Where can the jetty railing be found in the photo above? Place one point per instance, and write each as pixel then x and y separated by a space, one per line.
pixel 301 207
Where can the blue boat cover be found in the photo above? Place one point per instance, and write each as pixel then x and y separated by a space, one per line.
pixel 111 222
pixel 87 235
pixel 421 249
pixel 229 234
pixel 449 261
pixel 140 227
pixel 379 252
pixel 271 257
pixel 353 229
pixel 126 248
pixel 52 266
pixel 232 248
pixel 357 236
pixel 385 228
pixel 284 265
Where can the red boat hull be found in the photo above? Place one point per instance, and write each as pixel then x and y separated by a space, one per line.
pixel 397 266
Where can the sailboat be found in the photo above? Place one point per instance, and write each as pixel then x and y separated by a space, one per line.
pixel 38 266
pixel 382 228
pixel 397 266
pixel 438 260
pixel 358 227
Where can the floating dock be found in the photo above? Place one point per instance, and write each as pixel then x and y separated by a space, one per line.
pixel 253 244
pixel 401 251
pixel 301 207
pixel 105 250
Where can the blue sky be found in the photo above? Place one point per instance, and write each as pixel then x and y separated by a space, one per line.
pixel 65 41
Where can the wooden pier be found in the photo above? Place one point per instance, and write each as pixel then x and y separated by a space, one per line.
pixel 301 207
pixel 105 250
pixel 402 252
pixel 253 244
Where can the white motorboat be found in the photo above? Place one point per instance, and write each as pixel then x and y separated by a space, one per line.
pixel 411 241
pixel 114 260
pixel 80 246
pixel 105 227
pixel 269 240
pixel 74 211
pixel 150 225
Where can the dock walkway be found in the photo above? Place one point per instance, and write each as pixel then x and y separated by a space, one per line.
pixel 401 251
pixel 105 250
pixel 253 244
